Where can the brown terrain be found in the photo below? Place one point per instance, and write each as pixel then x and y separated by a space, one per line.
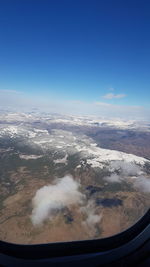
pixel 19 184
pixel 16 226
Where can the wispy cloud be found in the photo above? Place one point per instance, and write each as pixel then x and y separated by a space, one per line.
pixel 113 96
pixel 10 91
pixel 102 104
pixel 123 111
pixel 111 89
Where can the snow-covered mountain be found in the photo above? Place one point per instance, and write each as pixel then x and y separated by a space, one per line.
pixel 92 121
pixel 119 165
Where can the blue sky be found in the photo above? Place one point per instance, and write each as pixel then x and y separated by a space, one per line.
pixel 75 51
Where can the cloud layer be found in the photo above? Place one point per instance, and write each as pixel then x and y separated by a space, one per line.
pixel 19 101
pixel 113 96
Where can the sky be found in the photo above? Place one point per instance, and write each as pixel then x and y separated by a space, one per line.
pixel 76 56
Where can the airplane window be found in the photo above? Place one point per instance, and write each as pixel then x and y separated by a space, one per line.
pixel 74 119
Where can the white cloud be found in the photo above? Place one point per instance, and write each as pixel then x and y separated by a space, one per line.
pixel 114 178
pixel 51 198
pixel 113 96
pixel 92 218
pixel 142 184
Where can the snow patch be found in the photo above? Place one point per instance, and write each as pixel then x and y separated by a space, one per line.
pixel 27 157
